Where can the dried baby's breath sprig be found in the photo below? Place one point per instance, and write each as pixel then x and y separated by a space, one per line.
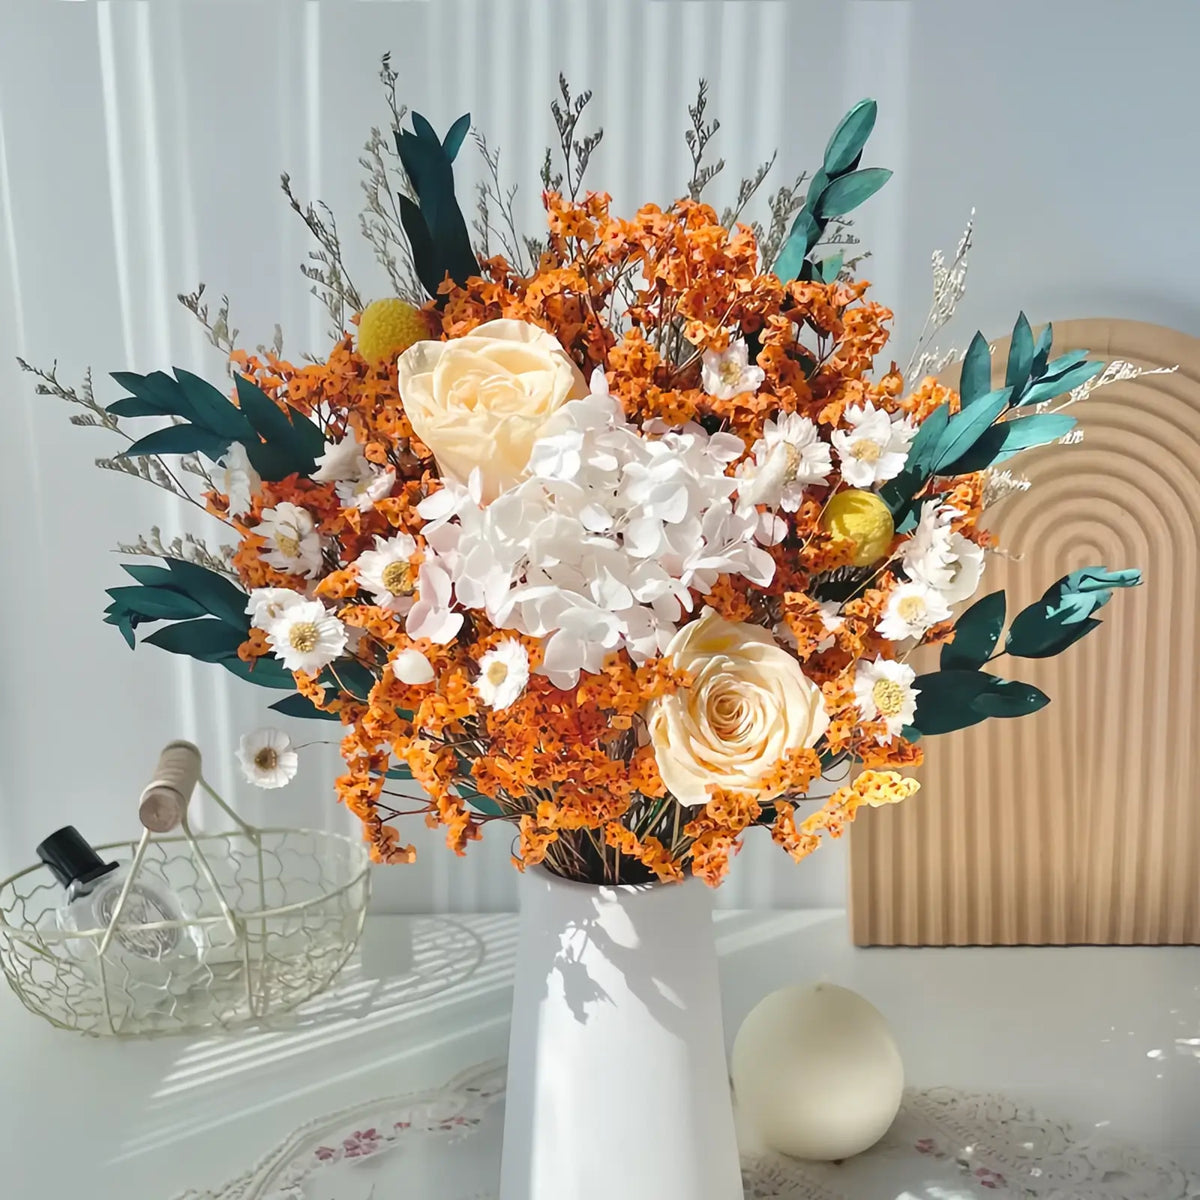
pixel 379 222
pixel 576 151
pixel 495 217
pixel 1001 484
pixel 697 136
pixel 188 548
pixel 331 281
pixel 1117 371
pixel 216 328
pixel 747 190
pixel 949 287
pixel 50 385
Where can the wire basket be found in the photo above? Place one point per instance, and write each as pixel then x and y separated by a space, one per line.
pixel 269 918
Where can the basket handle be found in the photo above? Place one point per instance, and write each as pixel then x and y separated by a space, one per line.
pixel 163 804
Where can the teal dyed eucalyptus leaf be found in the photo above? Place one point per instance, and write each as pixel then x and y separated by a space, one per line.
pixel 976 633
pixel 848 139
pixel 847 192
pixel 975 381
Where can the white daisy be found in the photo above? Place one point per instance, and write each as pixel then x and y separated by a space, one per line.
pixel 341 460
pixel 874 447
pixel 307 637
pixel 503 674
pixel 728 373
pixel 387 571
pixel 268 759
pixel 941 558
pixel 911 609
pixel 292 534
pixel 267 605
pixel 789 457
pixel 412 667
pixel 239 480
pixel 884 692
pixel 366 490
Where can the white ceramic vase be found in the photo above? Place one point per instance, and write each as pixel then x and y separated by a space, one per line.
pixel 617 1082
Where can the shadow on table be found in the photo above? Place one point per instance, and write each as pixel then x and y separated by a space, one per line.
pixel 443 981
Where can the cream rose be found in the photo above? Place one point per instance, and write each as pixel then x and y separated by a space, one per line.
pixel 483 400
pixel 748 706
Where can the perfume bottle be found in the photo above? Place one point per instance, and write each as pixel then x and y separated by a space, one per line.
pixel 145 963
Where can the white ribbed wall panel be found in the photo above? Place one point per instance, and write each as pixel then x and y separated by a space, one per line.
pixel 140 150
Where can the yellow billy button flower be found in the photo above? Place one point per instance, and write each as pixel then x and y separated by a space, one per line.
pixel 387 328
pixel 863 517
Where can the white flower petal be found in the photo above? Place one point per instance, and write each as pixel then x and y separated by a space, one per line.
pixel 412 667
pixel 267 758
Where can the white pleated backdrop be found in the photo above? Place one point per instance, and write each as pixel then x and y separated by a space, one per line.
pixel 140 150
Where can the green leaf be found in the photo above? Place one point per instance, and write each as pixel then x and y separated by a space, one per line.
pixel 898 493
pixel 178 439
pixel 432 175
pixel 134 406
pixel 301 706
pixel 157 603
pixel 965 428
pixel 212 409
pixel 1047 389
pixel 1010 698
pixel 421 244
pixel 1002 441
pixel 847 192
pixel 124 623
pixel 218 595
pixel 159 392
pixel 803 236
pixel 1047 627
pixel 1043 637
pixel 830 267
pixel 1062 364
pixel 945 700
pixel 1041 351
pixel 206 639
pixel 297 439
pixel 957 699
pixel 455 136
pixel 155 576
pixel 425 131
pixel 849 138
pixel 400 771
pixel 1020 355
pixel 975 380
pixel 975 634
pixel 351 676
pixel 266 671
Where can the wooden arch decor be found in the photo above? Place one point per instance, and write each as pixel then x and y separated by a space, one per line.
pixel 1081 823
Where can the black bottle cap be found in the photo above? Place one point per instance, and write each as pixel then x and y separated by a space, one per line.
pixel 70 856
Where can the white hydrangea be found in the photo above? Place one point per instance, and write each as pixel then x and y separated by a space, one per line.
pixel 601 546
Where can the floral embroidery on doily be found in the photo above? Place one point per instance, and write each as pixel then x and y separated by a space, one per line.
pixel 981 1145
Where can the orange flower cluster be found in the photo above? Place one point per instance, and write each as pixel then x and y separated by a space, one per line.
pixel 648 300
pixel 872 788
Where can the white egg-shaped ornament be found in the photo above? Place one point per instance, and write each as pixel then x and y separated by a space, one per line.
pixel 816 1073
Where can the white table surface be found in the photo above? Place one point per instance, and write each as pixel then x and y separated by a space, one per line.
pixel 1104 1037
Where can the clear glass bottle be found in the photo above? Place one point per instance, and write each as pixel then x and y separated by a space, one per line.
pixel 143 966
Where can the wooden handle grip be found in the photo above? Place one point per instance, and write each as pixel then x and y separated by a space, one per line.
pixel 165 799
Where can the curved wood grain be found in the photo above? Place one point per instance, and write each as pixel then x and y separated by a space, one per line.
pixel 1077 824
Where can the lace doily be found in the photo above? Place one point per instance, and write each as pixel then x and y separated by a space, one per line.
pixel 971 1146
